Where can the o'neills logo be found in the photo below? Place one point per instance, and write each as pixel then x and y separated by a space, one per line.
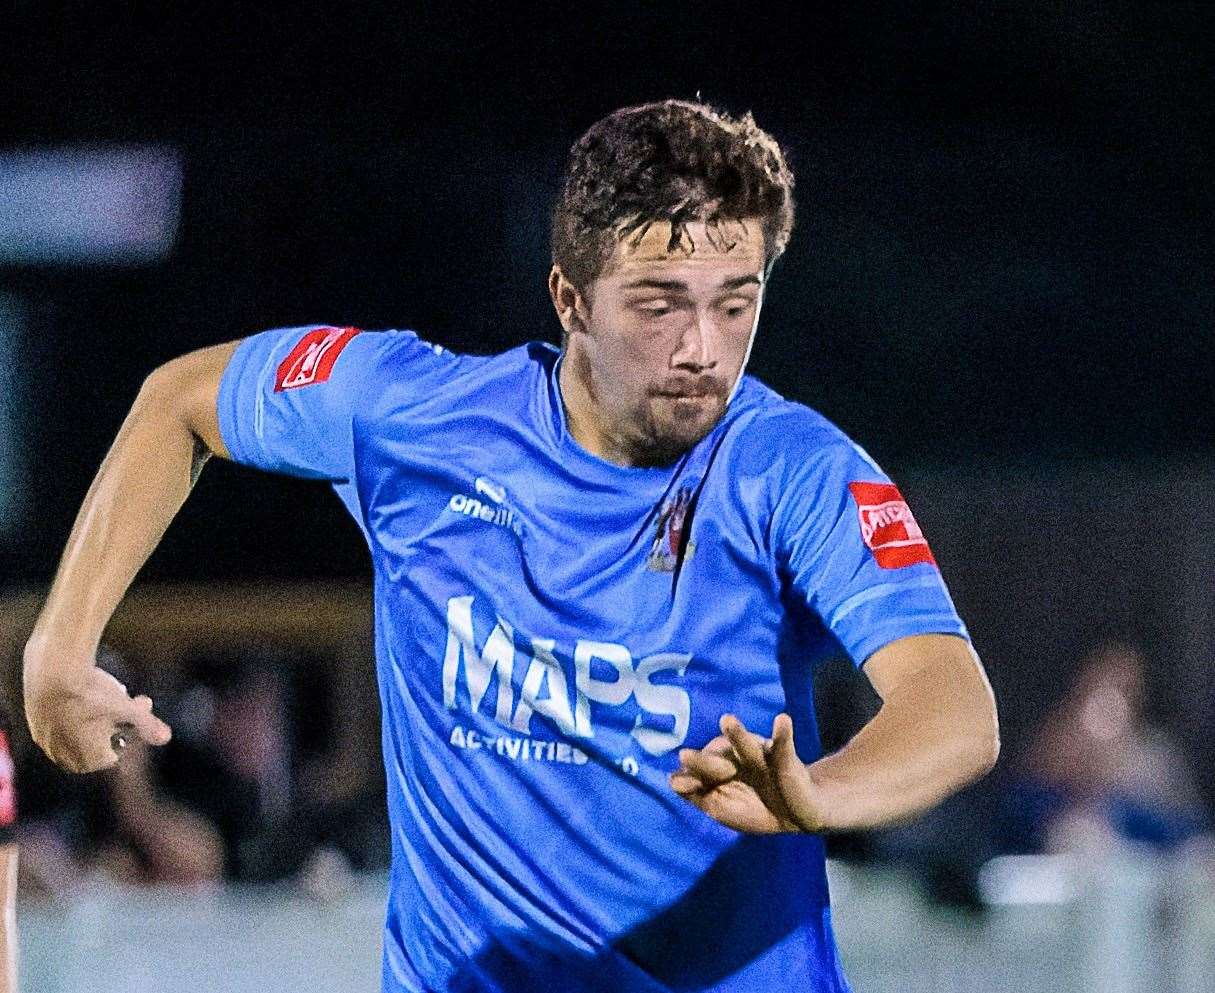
pixel 485 511
pixel 887 526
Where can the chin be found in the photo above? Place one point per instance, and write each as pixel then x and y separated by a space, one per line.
pixel 670 440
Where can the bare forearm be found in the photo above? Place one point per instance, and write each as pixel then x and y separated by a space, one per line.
pixel 909 758
pixel 936 732
pixel 142 483
pixel 73 707
pixel 149 471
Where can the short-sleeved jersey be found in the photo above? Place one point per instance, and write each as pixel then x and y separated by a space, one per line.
pixel 551 628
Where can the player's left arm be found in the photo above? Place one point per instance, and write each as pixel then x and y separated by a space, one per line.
pixel 936 732
pixel 847 541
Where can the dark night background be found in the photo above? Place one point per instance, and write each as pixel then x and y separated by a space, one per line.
pixel 1003 251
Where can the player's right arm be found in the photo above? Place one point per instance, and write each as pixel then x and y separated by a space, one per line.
pixel 283 401
pixel 72 706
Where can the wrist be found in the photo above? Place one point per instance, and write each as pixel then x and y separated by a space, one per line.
pixel 45 653
pixel 822 817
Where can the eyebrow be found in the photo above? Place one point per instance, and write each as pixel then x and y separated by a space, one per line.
pixel 675 284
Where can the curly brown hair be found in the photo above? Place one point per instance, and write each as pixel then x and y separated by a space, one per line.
pixel 676 161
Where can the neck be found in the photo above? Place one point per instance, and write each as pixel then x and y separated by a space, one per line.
pixel 584 414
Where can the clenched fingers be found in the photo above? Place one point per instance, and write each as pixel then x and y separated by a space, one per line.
pixel 88 750
pixel 686 785
pixel 75 726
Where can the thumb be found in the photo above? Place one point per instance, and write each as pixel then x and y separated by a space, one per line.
pixel 146 724
pixel 794 782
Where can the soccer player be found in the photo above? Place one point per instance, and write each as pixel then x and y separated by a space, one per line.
pixel 604 575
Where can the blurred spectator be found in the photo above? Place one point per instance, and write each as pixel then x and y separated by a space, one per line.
pixel 1098 774
pixel 230 759
pixel 260 783
pixel 154 839
pixel 250 753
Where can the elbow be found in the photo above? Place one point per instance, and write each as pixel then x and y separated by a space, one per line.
pixel 160 387
pixel 988 752
pixel 972 757
pixel 185 390
pixel 983 747
pixel 982 721
pixel 164 397
pixel 971 746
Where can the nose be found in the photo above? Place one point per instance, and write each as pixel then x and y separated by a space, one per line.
pixel 697 348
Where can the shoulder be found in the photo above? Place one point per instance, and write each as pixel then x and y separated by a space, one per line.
pixel 798 469
pixel 365 360
pixel 359 362
pixel 399 348
pixel 781 438
pixel 410 372
pixel 390 350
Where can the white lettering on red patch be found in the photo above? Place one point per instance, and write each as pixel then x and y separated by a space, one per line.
pixel 887 526
pixel 311 360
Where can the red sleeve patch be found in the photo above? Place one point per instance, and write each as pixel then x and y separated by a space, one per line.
pixel 888 527
pixel 311 360
pixel 8 784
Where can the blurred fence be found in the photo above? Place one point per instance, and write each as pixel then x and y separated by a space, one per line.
pixel 1050 925
pixel 232 940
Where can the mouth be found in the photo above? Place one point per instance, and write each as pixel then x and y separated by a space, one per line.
pixel 688 391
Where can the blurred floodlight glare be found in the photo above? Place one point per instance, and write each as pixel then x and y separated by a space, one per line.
pixel 90 205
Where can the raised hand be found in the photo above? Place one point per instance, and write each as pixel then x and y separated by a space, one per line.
pixel 751 784
pixel 74 713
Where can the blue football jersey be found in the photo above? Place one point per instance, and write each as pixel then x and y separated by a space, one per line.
pixel 551 628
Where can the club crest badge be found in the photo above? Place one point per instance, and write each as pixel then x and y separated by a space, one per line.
pixel 670 541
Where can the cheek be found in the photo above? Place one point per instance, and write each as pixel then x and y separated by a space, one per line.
pixel 631 347
pixel 734 338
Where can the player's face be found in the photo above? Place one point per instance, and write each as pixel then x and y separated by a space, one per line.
pixel 666 334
